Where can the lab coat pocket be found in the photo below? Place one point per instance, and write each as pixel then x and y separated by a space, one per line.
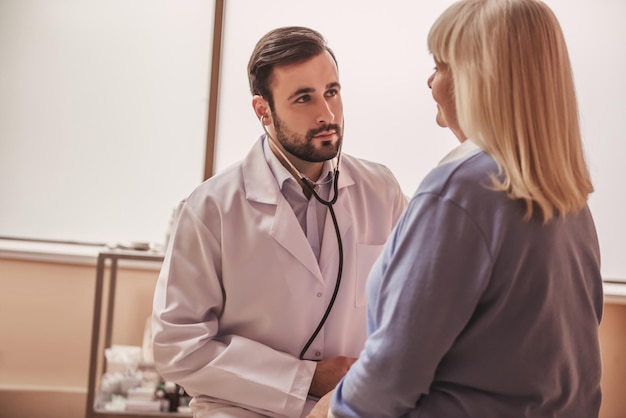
pixel 366 255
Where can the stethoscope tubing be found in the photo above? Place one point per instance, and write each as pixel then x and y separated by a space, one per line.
pixel 329 204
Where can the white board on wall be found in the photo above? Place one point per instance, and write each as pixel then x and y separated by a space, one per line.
pixel 103 110
pixel 384 64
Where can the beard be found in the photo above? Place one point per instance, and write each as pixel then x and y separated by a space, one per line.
pixel 302 147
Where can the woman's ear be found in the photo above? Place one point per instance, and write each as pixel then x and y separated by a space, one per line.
pixel 261 109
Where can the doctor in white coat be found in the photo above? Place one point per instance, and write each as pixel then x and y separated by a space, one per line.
pixel 260 251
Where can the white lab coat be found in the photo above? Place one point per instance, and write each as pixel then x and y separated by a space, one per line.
pixel 240 291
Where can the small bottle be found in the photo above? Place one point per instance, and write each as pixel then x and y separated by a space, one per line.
pixel 160 395
pixel 171 393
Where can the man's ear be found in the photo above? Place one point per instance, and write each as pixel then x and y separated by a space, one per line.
pixel 261 109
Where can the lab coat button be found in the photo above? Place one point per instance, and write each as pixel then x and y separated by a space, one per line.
pixel 317 354
pixel 319 294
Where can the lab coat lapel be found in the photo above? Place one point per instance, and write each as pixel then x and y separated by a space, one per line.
pixel 288 232
pixel 261 187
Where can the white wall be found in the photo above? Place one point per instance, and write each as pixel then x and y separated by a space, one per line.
pixel 384 64
pixel 103 108
pixel 103 104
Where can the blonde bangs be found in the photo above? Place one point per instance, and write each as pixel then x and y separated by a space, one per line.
pixel 443 35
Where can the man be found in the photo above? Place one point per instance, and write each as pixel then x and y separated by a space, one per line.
pixel 241 308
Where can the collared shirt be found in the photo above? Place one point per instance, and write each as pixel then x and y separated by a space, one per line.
pixel 310 213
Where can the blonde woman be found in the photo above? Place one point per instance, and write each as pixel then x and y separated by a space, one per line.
pixel 487 297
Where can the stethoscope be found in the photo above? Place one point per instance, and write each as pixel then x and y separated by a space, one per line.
pixel 329 204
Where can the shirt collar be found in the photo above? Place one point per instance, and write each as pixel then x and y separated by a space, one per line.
pixel 461 151
pixel 283 175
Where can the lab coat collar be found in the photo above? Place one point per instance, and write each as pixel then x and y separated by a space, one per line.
pixel 259 183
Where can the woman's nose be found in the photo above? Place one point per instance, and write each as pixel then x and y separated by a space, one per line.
pixel 430 81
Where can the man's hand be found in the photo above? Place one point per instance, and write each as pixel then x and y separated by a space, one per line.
pixel 322 407
pixel 328 373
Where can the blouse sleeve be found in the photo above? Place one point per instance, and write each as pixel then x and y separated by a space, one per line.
pixel 422 292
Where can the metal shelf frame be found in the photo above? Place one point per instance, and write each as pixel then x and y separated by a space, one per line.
pixel 111 259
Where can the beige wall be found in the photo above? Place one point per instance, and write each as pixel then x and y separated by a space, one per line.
pixel 45 333
pixel 613 340
pixel 46 312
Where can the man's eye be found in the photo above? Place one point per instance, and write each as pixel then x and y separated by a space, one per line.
pixel 332 92
pixel 303 99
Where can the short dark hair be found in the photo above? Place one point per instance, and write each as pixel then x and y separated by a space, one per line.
pixel 282 46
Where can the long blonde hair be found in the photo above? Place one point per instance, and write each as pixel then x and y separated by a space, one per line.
pixel 515 97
